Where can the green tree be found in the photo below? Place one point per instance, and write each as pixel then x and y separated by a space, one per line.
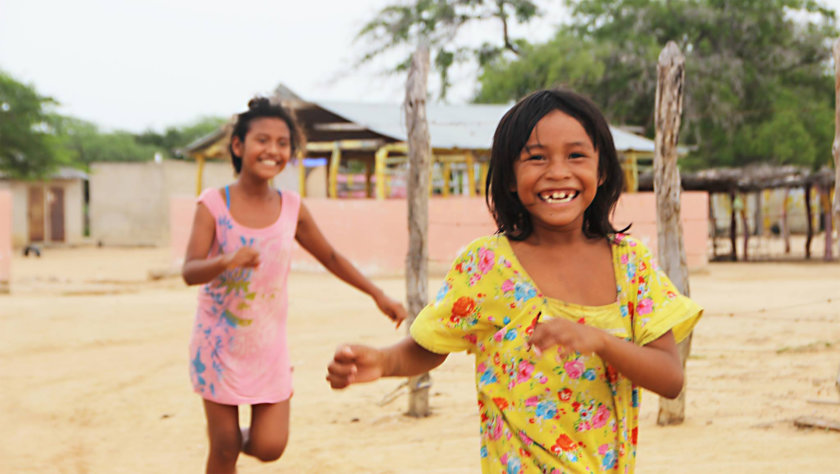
pixel 403 25
pixel 27 140
pixel 758 84
pixel 86 144
pixel 175 138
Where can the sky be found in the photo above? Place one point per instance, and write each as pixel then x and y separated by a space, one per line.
pixel 139 64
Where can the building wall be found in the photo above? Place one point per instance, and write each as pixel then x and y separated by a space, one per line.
pixel 126 203
pixel 74 212
pixel 130 202
pixel 73 209
pixel 20 222
pixel 5 239
pixel 374 234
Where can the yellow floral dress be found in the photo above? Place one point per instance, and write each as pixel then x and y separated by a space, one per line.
pixel 550 414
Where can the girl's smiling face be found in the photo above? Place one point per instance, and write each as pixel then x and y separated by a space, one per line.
pixel 266 149
pixel 557 173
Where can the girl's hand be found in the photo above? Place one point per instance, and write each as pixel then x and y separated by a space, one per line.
pixel 245 257
pixel 354 364
pixel 569 336
pixel 390 307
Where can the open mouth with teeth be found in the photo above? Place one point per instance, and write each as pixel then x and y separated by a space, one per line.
pixel 552 197
pixel 269 162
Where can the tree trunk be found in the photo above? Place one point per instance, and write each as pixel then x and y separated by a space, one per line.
pixel 666 184
pixel 835 149
pixel 419 157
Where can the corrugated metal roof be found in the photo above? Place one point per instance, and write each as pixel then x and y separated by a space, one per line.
pixel 467 126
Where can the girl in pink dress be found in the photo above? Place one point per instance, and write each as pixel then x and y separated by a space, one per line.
pixel 240 250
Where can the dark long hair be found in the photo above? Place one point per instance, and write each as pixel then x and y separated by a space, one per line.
pixel 512 133
pixel 261 107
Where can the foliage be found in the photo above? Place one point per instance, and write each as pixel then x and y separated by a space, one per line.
pixel 438 23
pixel 27 141
pixel 758 83
pixel 175 138
pixel 86 144
pixel 35 141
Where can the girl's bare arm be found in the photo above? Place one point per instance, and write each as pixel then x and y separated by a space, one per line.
pixel 198 268
pixel 309 237
pixel 356 364
pixel 655 366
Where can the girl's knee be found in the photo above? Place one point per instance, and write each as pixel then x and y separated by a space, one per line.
pixel 266 452
pixel 225 446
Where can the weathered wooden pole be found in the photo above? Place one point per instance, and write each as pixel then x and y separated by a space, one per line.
pixel 745 223
pixel 666 184
pixel 835 149
pixel 785 221
pixel 419 158
pixel 733 226
pixel 810 224
pixel 828 226
pixel 713 221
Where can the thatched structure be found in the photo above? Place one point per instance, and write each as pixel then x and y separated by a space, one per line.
pixel 735 182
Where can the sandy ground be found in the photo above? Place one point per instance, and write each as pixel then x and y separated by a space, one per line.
pixel 93 376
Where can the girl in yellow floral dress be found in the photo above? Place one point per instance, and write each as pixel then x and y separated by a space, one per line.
pixel 567 317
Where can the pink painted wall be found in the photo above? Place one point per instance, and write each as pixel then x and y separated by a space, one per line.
pixel 5 239
pixel 640 210
pixel 374 234
pixel 181 213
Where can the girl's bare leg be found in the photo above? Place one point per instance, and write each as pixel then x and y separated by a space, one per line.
pixel 269 431
pixel 225 437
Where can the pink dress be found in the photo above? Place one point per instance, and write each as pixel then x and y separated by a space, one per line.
pixel 238 351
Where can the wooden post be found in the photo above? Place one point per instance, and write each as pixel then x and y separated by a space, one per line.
pixel 733 226
pixel 666 184
pixel 419 158
pixel 809 214
pixel 631 172
pixel 447 178
pixel 332 177
pixel 379 170
pixel 301 169
pixel 470 160
pixel 432 175
pixel 828 227
pixel 745 224
pixel 758 214
pixel 199 178
pixel 835 148
pixel 483 171
pixel 368 174
pixel 713 221
pixel 785 221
